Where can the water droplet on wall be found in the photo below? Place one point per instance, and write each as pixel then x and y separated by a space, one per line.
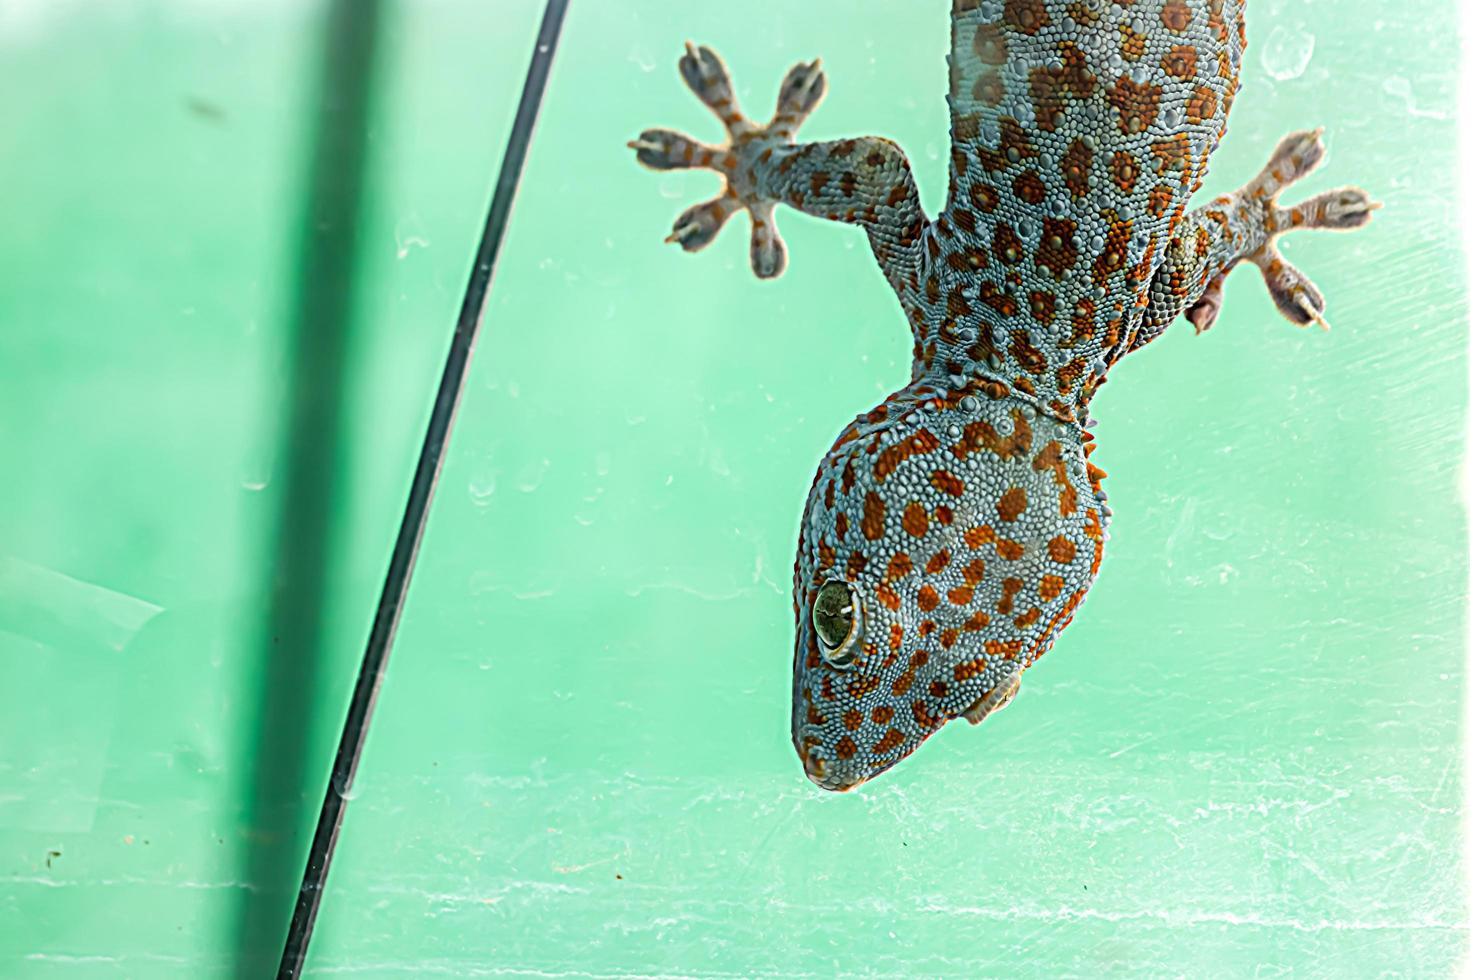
pixel 1287 53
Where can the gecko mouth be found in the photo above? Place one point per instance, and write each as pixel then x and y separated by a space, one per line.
pixel 993 700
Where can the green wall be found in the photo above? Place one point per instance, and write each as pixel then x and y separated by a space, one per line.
pixel 1243 759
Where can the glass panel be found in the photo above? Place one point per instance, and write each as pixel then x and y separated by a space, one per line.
pixel 161 759
pixel 1244 752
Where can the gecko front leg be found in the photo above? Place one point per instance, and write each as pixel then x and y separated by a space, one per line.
pixel 865 181
pixel 1245 227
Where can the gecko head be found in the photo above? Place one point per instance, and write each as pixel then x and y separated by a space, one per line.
pixel 893 598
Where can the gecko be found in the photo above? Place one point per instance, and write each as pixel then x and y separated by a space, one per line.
pixel 952 531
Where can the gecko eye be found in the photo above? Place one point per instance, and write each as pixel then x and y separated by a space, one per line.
pixel 837 618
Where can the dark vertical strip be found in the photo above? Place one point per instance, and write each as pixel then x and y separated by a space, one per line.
pixel 311 459
pixel 421 493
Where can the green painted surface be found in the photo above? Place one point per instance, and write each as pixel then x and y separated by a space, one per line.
pixel 1243 759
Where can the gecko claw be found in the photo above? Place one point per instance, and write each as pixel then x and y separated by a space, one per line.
pixel 1296 297
pixel 698 226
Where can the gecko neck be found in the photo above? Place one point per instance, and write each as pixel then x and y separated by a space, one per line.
pixel 932 384
pixel 956 376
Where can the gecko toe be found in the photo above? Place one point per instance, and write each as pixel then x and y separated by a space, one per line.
pixel 698 226
pixel 767 250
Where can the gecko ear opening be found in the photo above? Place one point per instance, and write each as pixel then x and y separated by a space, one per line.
pixel 837 619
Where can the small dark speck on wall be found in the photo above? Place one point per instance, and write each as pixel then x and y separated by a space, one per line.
pixel 204 109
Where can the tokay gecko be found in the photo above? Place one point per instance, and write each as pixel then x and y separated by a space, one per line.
pixel 952 532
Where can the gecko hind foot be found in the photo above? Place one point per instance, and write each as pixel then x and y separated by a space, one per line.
pixel 663 149
pixel 1343 209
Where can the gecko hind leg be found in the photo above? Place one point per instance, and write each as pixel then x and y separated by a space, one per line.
pixel 663 149
pixel 1343 209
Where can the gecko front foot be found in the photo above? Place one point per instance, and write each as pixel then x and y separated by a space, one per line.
pixel 1257 212
pixel 662 149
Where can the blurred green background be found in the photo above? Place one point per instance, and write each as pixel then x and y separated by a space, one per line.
pixel 1243 759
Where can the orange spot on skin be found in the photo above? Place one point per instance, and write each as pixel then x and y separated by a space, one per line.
pixel 1137 104
pixel 1009 550
pixel 1159 200
pixel 1012 504
pixel 976 623
pixel 903 682
pixel 1050 458
pixel 916 519
pixel 846 748
pixel 1058 248
pixel 1201 105
pixel 883 715
pixel 1029 188
pixel 852 719
pixel 1134 44
pixel 919 444
pixel 895 635
pixel 962 596
pixel 1026 16
pixel 928 598
pixel 898 566
pixel 890 741
pixel 1180 61
pixel 1124 171
pixel 982 437
pixel 937 562
pixel 946 482
pixel 1009 588
pixel 990 44
pixel 1061 550
pixel 1076 167
pixel 948 638
pixel 1051 586
pixel 975 572
pixel 1176 16
pixel 1008 649
pixel 978 537
pixel 888 597
pixel 1026 354
pixel 989 89
pixel 969 669
pixel 874 511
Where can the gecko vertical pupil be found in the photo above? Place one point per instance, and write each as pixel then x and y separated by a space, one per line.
pixel 835 618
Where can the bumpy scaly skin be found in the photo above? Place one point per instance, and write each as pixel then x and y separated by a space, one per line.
pixel 962 511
